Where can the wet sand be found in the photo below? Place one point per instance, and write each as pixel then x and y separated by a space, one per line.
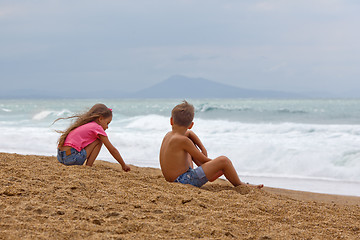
pixel 43 199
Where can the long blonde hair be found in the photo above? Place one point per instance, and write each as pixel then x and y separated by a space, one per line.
pixel 98 110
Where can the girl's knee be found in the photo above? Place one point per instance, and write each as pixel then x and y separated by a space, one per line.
pixel 98 143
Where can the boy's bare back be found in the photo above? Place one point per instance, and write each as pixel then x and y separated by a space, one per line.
pixel 173 158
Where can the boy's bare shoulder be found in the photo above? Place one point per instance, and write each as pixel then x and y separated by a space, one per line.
pixel 175 138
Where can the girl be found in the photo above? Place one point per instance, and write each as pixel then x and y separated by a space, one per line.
pixel 84 138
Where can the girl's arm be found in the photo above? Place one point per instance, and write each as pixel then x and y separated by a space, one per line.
pixel 114 152
pixel 196 140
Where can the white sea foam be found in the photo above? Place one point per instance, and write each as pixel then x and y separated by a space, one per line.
pixel 286 149
pixel 5 110
pixel 44 114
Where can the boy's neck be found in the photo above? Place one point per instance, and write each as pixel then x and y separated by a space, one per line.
pixel 179 129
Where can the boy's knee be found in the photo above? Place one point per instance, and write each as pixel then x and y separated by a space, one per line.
pixel 224 159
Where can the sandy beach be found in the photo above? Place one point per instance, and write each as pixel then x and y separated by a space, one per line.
pixel 42 199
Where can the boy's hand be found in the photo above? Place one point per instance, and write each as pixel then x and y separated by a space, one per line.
pixel 204 152
pixel 126 168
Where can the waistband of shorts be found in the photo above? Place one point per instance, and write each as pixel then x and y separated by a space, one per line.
pixel 67 152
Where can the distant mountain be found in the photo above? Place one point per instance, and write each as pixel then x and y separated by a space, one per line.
pixel 177 86
pixel 185 87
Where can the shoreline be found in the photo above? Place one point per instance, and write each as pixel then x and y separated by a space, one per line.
pixel 42 199
pixel 320 186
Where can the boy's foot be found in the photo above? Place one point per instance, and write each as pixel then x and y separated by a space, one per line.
pixel 255 186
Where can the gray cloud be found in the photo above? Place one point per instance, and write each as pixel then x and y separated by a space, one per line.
pixel 276 44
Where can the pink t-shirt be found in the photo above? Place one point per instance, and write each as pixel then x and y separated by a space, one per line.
pixel 82 136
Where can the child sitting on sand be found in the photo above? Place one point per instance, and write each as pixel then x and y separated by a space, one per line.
pixel 180 148
pixel 84 138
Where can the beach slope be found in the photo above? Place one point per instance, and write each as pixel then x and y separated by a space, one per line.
pixel 43 199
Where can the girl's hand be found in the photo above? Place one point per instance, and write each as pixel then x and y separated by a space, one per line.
pixel 126 168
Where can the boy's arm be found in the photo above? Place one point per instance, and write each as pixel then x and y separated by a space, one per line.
pixel 196 140
pixel 198 157
pixel 114 152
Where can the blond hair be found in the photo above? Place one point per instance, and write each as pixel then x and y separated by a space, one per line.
pixel 98 110
pixel 183 114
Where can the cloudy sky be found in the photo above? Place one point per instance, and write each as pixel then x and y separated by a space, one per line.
pixel 298 46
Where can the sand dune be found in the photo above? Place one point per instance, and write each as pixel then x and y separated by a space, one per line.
pixel 42 199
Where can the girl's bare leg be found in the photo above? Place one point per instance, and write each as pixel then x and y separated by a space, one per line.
pixel 92 151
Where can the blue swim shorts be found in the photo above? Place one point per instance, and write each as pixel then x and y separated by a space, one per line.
pixel 75 158
pixel 195 177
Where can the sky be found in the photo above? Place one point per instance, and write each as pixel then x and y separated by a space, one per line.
pixel 129 45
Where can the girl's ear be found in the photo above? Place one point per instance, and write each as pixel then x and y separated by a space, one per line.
pixel 98 119
pixel 191 125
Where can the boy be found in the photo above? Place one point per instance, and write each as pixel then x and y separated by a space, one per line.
pixel 181 147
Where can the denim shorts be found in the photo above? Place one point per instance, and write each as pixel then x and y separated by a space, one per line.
pixel 195 177
pixel 75 158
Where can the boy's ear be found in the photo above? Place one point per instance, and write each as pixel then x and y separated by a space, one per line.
pixel 191 125
pixel 171 121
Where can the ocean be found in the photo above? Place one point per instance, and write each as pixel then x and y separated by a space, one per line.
pixel 309 145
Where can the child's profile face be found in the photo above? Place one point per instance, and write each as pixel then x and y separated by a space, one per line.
pixel 104 122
